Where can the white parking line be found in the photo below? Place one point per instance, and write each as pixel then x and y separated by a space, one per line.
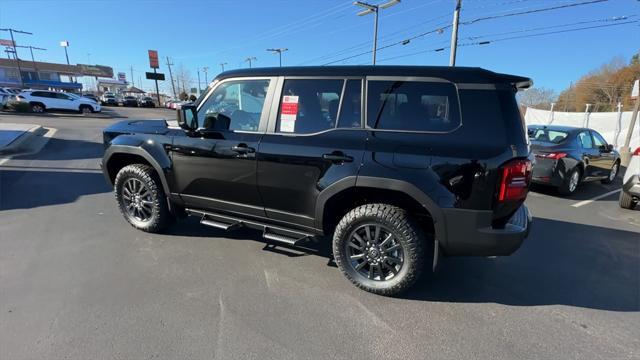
pixel 587 202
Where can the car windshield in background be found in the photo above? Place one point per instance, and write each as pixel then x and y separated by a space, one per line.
pixel 549 136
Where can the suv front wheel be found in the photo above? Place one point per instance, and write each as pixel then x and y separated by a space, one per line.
pixel 379 248
pixel 141 199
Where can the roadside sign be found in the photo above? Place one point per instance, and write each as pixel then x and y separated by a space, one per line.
pixel 122 76
pixel 154 76
pixel 636 89
pixel 96 70
pixel 9 43
pixel 64 43
pixel 153 59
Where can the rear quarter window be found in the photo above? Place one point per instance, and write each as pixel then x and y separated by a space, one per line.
pixel 412 106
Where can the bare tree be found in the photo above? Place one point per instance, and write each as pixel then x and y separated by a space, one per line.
pixel 183 79
pixel 540 98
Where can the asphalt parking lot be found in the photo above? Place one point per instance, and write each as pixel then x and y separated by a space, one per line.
pixel 77 282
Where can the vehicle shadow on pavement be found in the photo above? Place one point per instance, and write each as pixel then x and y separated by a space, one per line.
pixel 66 149
pixel 561 263
pixel 25 189
pixel 68 114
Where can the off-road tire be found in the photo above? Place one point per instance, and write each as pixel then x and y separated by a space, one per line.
pixel 626 201
pixel 161 216
pixel 565 188
pixel 404 228
pixel 608 180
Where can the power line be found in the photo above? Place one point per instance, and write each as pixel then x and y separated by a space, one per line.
pixel 441 29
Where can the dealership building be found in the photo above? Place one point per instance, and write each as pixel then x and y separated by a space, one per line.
pixel 48 76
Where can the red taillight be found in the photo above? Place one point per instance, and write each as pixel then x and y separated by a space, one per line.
pixel 553 156
pixel 514 183
pixel 637 152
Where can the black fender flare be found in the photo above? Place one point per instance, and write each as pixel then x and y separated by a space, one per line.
pixel 148 149
pixel 384 184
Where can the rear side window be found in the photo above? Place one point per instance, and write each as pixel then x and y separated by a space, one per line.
pixel 585 140
pixel 412 106
pixel 41 94
pixel 308 106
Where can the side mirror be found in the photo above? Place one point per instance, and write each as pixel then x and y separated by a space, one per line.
pixel 610 147
pixel 188 117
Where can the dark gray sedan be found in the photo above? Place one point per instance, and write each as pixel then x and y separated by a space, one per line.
pixel 567 156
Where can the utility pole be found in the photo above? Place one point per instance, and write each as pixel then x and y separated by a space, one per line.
pixel 222 66
pixel 375 9
pixel 454 33
pixel 15 51
pixel 173 86
pixel 133 83
pixel 279 51
pixel 206 81
pixel 250 59
pixel 31 48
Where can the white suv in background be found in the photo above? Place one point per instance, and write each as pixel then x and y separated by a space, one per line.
pixel 42 100
pixel 630 194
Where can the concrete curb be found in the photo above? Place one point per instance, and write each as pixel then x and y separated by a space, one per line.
pixel 18 143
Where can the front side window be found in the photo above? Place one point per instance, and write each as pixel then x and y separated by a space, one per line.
pixel 412 106
pixel 585 140
pixel 598 140
pixel 234 105
pixel 309 106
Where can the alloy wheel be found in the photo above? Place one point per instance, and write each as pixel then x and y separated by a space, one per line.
pixel 37 108
pixel 573 181
pixel 614 172
pixel 137 199
pixel 374 252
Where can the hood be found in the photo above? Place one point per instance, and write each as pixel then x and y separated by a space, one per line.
pixel 158 126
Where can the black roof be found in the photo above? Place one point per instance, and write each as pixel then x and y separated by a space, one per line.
pixel 453 74
pixel 564 128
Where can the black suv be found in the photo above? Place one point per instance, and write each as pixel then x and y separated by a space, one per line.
pixel 397 164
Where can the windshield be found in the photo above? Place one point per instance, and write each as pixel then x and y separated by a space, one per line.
pixel 73 95
pixel 547 135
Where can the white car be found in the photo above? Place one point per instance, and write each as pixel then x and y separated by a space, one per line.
pixel 4 97
pixel 42 100
pixel 630 194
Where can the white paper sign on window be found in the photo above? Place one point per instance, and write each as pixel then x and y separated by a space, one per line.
pixel 288 113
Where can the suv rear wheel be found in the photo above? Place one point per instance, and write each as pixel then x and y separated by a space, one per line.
pixel 37 108
pixel 141 198
pixel 379 248
pixel 626 201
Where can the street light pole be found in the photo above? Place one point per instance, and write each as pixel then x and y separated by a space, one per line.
pixel 222 66
pixel 454 34
pixel 205 69
pixel 279 51
pixel 370 8
pixel 250 59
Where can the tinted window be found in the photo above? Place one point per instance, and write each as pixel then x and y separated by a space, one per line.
pixel 351 108
pixel 552 136
pixel 598 140
pixel 42 94
pixel 62 96
pixel 585 140
pixel 309 106
pixel 411 105
pixel 234 105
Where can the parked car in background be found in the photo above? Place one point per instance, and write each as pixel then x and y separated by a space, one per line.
pixel 41 100
pixel 630 194
pixel 146 101
pixel 434 157
pixel 4 97
pixel 567 156
pixel 109 99
pixel 92 97
pixel 129 101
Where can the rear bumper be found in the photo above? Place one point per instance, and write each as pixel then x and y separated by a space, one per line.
pixel 470 233
pixel 549 172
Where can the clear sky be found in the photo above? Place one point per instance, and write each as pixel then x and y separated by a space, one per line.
pixel 195 34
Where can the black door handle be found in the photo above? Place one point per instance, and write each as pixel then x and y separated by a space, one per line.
pixel 337 157
pixel 243 149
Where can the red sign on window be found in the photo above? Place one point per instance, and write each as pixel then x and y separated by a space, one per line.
pixel 153 59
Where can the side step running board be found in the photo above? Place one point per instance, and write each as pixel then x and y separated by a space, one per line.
pixel 270 232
